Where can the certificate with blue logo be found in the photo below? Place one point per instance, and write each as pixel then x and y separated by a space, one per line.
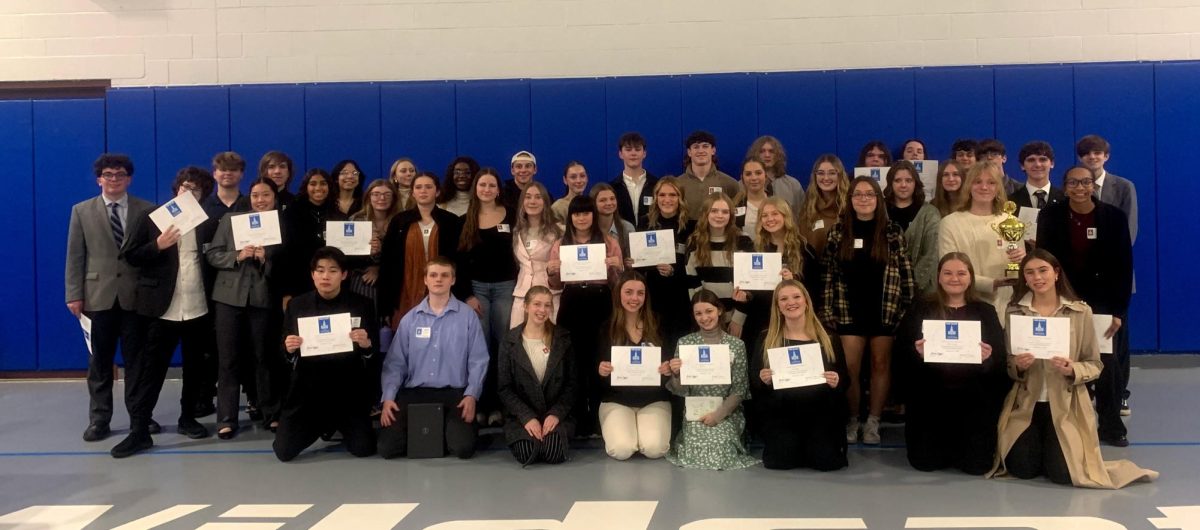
pixel 260 229
pixel 652 248
pixel 757 271
pixel 705 364
pixel 581 263
pixel 952 341
pixel 928 170
pixel 352 237
pixel 878 174
pixel 1044 337
pixel 325 335
pixel 796 366
pixel 636 366
pixel 182 212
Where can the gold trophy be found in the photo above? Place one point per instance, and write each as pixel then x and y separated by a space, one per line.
pixel 1012 230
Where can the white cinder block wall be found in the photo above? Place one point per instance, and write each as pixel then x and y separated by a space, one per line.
pixel 189 42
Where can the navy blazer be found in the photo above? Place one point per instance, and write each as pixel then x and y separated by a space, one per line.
pixel 159 269
pixel 1104 278
pixel 624 205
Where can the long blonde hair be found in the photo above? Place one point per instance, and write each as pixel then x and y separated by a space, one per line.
pixel 541 290
pixel 549 222
pixel 681 212
pixel 367 213
pixel 793 241
pixel 813 195
pixel 975 173
pixel 812 326
pixel 701 240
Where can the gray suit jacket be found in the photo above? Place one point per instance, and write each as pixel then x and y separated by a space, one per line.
pixel 95 272
pixel 1120 192
pixel 245 284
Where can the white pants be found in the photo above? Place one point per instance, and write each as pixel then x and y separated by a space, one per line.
pixel 627 430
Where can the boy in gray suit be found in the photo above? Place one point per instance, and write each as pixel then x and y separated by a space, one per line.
pixel 101 285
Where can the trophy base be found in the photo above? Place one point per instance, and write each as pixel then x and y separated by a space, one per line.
pixel 1012 272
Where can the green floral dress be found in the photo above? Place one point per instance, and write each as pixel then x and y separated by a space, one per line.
pixel 722 447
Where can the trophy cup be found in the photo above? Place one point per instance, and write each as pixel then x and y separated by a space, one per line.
pixel 1012 230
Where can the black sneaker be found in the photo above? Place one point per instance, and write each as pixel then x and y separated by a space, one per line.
pixel 191 428
pixel 96 432
pixel 133 444
pixel 203 409
pixel 1116 441
pixel 155 428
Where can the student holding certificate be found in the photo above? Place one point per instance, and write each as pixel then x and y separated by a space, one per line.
pixel 710 258
pixel 666 283
pixel 1092 239
pixel 803 426
pixel 246 297
pixel 712 439
pixel 585 303
pixel 1048 426
pixel 537 230
pixel 874 153
pixel 952 409
pixel 537 383
pixel 327 392
pixel 348 199
pixel 906 206
pixel 379 209
pixel 633 419
pixel 823 204
pixel 868 286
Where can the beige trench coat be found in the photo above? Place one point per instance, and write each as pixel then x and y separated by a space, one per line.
pixel 1070 406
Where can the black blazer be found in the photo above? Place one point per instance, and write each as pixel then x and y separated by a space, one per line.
pixel 391 261
pixel 624 205
pixel 1103 278
pixel 159 269
pixel 1022 198
pixel 525 398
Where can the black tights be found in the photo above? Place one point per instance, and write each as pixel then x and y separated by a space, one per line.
pixel 552 450
pixel 1037 451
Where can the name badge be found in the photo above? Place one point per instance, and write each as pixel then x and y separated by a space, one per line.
pixel 858 243
pixel 1091 233
pixel 502 228
pixel 355 322
pixel 647 201
pixel 680 248
pixel 530 245
pixel 741 210
pixel 714 189
pixel 819 224
pixel 425 231
pixel 999 243
pixel 424 333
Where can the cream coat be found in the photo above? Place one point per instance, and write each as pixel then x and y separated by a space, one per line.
pixel 1070 407
pixel 531 261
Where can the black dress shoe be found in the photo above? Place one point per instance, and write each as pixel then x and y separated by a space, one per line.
pixel 154 427
pixel 204 408
pixel 96 432
pixel 192 429
pixel 1116 441
pixel 227 435
pixel 133 444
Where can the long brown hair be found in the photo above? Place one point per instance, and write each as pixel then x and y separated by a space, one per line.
pixel 616 327
pixel 793 240
pixel 549 227
pixel 541 290
pixel 654 214
pixel 812 196
pixel 940 296
pixel 812 325
pixel 779 168
pixel 701 240
pixel 879 249
pixel 1062 286
pixel 945 200
pixel 918 197
pixel 601 187
pixel 470 231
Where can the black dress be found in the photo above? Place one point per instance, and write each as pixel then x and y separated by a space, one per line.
pixel 668 295
pixel 864 285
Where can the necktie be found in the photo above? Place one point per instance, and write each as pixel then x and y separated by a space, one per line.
pixel 1041 198
pixel 1096 194
pixel 114 220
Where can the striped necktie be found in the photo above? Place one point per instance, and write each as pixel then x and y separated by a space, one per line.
pixel 114 220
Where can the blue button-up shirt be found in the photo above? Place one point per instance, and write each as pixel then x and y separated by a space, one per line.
pixel 437 351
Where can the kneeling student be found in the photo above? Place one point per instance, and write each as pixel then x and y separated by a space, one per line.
pixel 328 391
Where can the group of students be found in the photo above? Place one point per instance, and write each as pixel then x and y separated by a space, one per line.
pixel 462 303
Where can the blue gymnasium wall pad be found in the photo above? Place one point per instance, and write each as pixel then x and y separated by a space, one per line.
pixel 1116 101
pixel 18 350
pixel 1036 103
pixel 727 106
pixel 342 122
pixel 265 118
pixel 68 135
pixel 953 103
pixel 418 123
pixel 568 123
pixel 800 110
pixel 192 125
pixel 130 129
pixel 493 123
pixel 873 105
pixel 650 106
pixel 1177 111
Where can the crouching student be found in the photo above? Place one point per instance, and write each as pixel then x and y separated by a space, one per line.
pixel 328 391
pixel 537 383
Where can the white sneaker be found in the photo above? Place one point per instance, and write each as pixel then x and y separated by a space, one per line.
pixel 871 431
pixel 852 431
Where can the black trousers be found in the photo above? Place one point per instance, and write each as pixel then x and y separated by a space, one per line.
pixel 583 311
pixel 299 428
pixel 145 384
pixel 1037 451
pixel 244 345
pixel 951 429
pixel 460 436
pixel 108 328
pixel 1109 392
pixel 803 428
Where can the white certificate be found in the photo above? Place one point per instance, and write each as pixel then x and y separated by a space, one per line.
pixel 1043 337
pixel 352 237
pixel 183 212
pixel 652 248
pixel 695 407
pixel 581 263
pixel 705 364
pixel 325 334
pixel 86 324
pixel 1102 323
pixel 1029 215
pixel 796 366
pixel 953 341
pixel 878 174
pixel 757 271
pixel 260 229
pixel 636 366
pixel 927 170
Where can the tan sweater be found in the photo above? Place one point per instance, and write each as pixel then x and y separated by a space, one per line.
pixel 973 235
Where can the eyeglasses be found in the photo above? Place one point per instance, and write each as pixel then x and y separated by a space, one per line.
pixel 113 175
pixel 349 174
pixel 863 196
pixel 1079 183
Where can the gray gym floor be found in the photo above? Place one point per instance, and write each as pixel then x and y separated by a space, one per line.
pixel 51 479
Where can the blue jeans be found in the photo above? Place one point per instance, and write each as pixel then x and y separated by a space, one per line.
pixel 496 299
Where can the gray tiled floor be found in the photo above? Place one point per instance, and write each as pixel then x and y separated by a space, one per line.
pixel 44 462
